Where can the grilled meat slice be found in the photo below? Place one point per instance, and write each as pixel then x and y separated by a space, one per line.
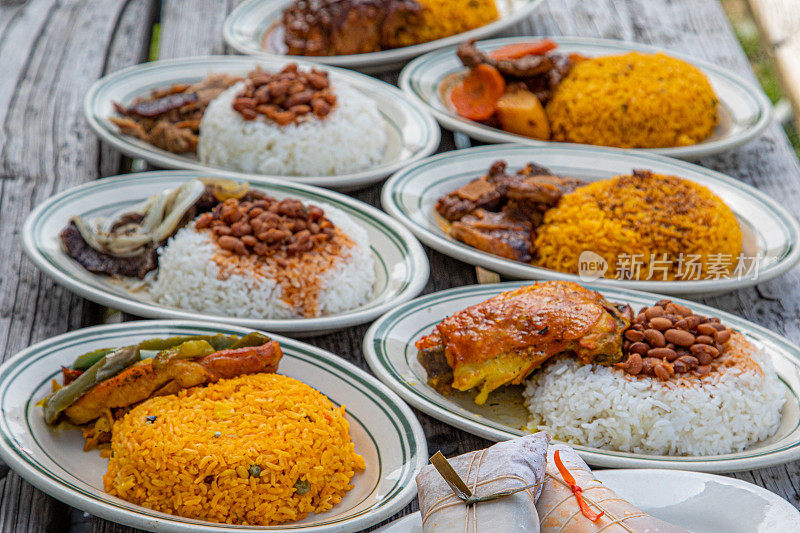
pixel 341 27
pixel 502 340
pixel 495 233
pixel 499 212
pixel 485 192
pixel 99 263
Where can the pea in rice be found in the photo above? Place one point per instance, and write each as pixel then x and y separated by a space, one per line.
pixel 255 450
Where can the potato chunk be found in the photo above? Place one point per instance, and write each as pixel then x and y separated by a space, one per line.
pixel 519 111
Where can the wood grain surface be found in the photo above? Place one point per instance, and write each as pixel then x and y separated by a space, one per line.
pixel 50 53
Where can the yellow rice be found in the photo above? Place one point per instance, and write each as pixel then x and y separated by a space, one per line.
pixel 636 219
pixel 633 100
pixel 195 459
pixel 442 18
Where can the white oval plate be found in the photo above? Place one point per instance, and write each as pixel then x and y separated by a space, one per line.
pixel 401 264
pixel 383 429
pixel 246 26
pixel 411 194
pixel 411 131
pixel 744 109
pixel 390 353
pixel 701 503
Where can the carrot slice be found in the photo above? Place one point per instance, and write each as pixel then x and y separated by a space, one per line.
pixel 517 50
pixel 576 490
pixel 476 96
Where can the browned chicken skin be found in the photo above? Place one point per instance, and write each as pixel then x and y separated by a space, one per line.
pixel 502 340
pixel 141 381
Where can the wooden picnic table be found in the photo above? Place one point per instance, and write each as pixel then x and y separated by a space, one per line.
pixel 51 51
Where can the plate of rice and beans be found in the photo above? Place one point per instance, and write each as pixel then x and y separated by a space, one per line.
pixel 595 214
pixel 172 244
pixel 256 119
pixel 176 425
pixel 368 35
pixel 587 91
pixel 629 379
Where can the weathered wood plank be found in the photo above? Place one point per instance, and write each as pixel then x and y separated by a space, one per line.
pixel 51 52
pixel 193 28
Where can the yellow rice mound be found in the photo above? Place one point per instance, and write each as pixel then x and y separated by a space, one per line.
pixel 196 458
pixel 442 18
pixel 633 101
pixel 642 219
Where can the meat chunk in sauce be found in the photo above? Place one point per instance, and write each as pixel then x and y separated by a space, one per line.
pixel 541 74
pixel 342 27
pixel 499 212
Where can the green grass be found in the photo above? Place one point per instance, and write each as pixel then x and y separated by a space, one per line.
pixel 155 42
pixel 747 32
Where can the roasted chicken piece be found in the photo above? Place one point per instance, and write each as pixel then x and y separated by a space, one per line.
pixel 342 27
pixel 142 381
pixel 502 340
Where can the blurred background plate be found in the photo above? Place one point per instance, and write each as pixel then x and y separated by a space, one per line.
pixel 744 110
pixel 246 31
pixel 412 133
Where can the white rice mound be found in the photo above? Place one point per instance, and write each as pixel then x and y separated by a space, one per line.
pixel 603 407
pixel 351 138
pixel 189 279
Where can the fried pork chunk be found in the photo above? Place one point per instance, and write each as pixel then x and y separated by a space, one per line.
pixel 498 213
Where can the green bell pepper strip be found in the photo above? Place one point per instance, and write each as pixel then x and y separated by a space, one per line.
pixel 108 366
pixel 188 350
pixel 88 359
